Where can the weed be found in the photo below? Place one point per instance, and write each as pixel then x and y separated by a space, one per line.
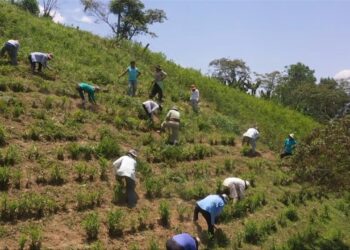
pixel 22 241
pixel 91 225
pixel 33 153
pixel 268 227
pixel 48 102
pixel 229 165
pixel 143 218
pixel 81 170
pixel 282 220
pixel 97 246
pixel 114 222
pixel 291 214
pixel 164 212
pixel 153 245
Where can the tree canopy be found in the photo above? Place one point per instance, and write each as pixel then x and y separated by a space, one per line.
pixel 131 17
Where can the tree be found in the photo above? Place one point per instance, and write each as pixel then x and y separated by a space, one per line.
pixel 234 73
pixel 269 81
pixel 29 5
pixel 49 6
pixel 131 17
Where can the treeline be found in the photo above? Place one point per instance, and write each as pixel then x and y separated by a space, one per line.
pixel 296 87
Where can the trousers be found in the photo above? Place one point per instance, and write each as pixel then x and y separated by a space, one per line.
pixel 206 216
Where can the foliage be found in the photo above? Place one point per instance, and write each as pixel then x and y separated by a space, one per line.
pixel 29 5
pixel 91 225
pixel 164 212
pixel 324 157
pixel 2 136
pixel 114 222
pixel 132 18
pixel 108 147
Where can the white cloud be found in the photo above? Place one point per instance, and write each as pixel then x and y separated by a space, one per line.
pixel 58 18
pixel 344 74
pixel 85 19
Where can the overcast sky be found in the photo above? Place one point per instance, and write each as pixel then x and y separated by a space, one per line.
pixel 268 35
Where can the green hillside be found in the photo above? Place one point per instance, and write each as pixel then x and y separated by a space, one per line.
pixel 56 157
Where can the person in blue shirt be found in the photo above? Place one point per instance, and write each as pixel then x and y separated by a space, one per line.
pixel 182 241
pixel 133 74
pixel 289 145
pixel 210 207
pixel 89 89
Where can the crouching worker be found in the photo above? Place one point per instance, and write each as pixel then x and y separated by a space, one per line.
pixel 89 89
pixel 11 47
pixel 151 108
pixel 40 59
pixel 125 173
pixel 250 137
pixel 235 187
pixel 289 145
pixel 210 207
pixel 183 241
pixel 172 124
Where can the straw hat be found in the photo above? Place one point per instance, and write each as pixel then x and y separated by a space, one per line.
pixel 133 153
pixel 225 197
pixel 291 135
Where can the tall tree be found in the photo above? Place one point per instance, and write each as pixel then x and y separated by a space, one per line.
pixel 49 6
pixel 269 81
pixel 234 73
pixel 29 5
pixel 131 17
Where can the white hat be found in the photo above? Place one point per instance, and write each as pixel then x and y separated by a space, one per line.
pixel 247 184
pixel 133 152
pixel 291 135
pixel 225 197
pixel 175 108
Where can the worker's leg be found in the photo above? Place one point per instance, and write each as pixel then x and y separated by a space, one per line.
pixel 284 154
pixel 134 88
pixel 148 114
pixel 40 67
pixel 253 144
pixel 12 51
pixel 194 105
pixel 130 191
pixel 160 93
pixel 153 91
pixel 81 93
pixel 174 138
pixel 195 213
pixel 3 51
pixel 172 245
pixel 207 218
pixel 32 64
pixel 245 140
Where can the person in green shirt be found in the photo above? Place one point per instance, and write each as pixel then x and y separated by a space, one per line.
pixel 289 145
pixel 89 89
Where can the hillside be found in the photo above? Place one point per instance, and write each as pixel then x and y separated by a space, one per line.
pixel 56 157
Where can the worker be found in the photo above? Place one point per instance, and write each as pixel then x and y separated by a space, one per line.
pixel 194 99
pixel 133 74
pixel 289 145
pixel 183 241
pixel 125 171
pixel 250 137
pixel 90 89
pixel 235 187
pixel 210 207
pixel 172 124
pixel 40 59
pixel 151 108
pixel 158 85
pixel 11 47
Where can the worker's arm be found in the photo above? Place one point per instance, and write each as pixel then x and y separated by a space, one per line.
pixel 138 73
pixel 164 75
pixel 92 97
pixel 155 107
pixel 122 74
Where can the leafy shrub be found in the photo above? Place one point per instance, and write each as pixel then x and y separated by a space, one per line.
pixel 17 87
pixel 164 212
pixel 91 225
pixel 282 179
pixel 182 212
pixel 11 157
pixel 60 154
pixel 76 151
pixel 48 102
pixel 291 214
pixel 268 227
pixel 115 222
pixel 245 151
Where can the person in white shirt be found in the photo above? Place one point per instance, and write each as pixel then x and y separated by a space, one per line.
pixel 40 59
pixel 235 187
pixel 125 170
pixel 172 123
pixel 250 137
pixel 11 47
pixel 194 99
pixel 151 108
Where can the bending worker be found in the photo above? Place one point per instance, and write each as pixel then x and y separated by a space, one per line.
pixel 172 123
pixel 90 89
pixel 235 187
pixel 183 241
pixel 151 108
pixel 289 145
pixel 11 47
pixel 250 137
pixel 40 59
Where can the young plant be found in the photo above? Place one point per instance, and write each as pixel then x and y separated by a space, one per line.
pixel 103 169
pixel 291 214
pixel 2 136
pixel 4 178
pixel 35 235
pixel 164 212
pixel 56 175
pixel 251 233
pixel 118 193
pixel 115 223
pixel 182 212
pixel 16 178
pixel 22 241
pixel 91 225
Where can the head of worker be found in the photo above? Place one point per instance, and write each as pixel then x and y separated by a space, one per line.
pixel 291 136
pixel 224 198
pixel 132 64
pixel 158 68
pixel 175 108
pixel 132 153
pixel 246 184
pixel 193 88
pixel 97 88
pixel 49 56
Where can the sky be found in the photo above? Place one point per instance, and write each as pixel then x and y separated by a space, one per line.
pixel 267 34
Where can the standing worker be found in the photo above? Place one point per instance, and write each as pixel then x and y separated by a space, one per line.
pixel 11 47
pixel 210 207
pixel 90 89
pixel 124 169
pixel 158 85
pixel 250 137
pixel 183 241
pixel 235 187
pixel 133 74
pixel 151 108
pixel 289 145
pixel 172 124
pixel 194 99
pixel 40 59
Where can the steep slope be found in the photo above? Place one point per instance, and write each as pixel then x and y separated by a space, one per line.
pixel 56 158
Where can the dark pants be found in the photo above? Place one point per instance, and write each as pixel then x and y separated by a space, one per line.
pixel 156 90
pixel 148 114
pixel 130 185
pixel 11 51
pixel 81 92
pixel 284 154
pixel 33 64
pixel 206 216
pixel 172 245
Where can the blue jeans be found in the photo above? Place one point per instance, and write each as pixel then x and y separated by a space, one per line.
pixel 11 51
pixel 132 87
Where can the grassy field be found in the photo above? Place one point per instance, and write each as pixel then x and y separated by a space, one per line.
pixel 57 186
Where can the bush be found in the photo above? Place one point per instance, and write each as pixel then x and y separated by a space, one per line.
pixel 164 212
pixel 91 225
pixel 115 222
pixel 291 214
